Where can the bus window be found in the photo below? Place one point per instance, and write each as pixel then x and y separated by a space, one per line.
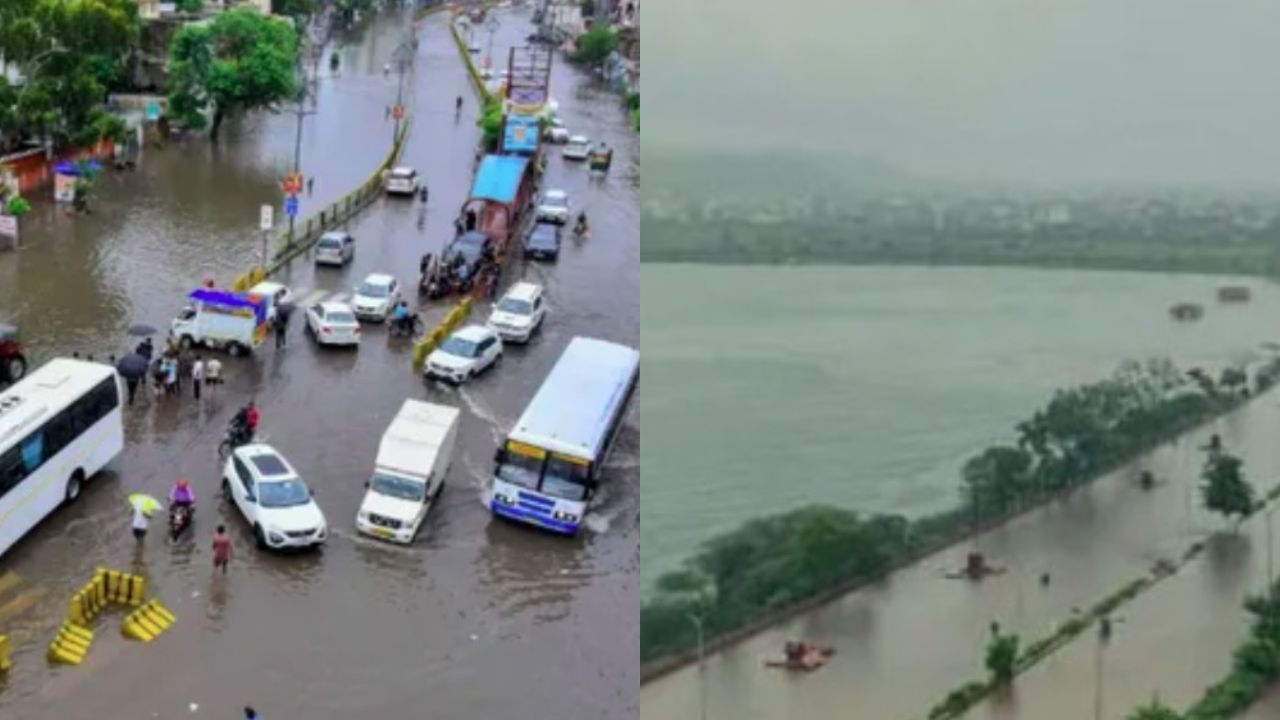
pixel 521 468
pixel 33 452
pixel 566 478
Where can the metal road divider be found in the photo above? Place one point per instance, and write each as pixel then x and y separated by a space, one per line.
pixel 147 622
pixel 441 331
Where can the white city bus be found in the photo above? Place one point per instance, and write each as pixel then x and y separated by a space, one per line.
pixel 549 467
pixel 58 427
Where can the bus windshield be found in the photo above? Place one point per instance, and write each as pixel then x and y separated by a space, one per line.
pixel 566 479
pixel 522 470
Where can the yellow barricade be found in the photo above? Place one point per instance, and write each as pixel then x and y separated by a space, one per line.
pixel 6 660
pixel 241 284
pixel 147 622
pixel 71 644
pixel 433 339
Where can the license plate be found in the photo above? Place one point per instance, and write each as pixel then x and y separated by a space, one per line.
pixel 384 533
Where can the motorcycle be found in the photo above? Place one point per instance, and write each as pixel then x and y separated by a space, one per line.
pixel 180 517
pixel 406 327
pixel 237 434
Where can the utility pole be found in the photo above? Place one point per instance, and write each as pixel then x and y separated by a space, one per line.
pixel 702 669
pixel 300 112
pixel 492 25
pixel 403 53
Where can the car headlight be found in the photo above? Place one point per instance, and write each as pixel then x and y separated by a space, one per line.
pixel 362 516
pixel 275 537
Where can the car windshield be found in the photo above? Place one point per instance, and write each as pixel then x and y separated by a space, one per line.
pixel 564 479
pixel 329 243
pixel 402 174
pixel 398 487
pixel 558 201
pixel 459 347
pixel 341 317
pixel 518 307
pixel 373 290
pixel 544 232
pixel 287 493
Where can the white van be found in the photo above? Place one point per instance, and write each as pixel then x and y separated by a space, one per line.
pixel 413 458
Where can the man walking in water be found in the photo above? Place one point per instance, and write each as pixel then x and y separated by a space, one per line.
pixel 221 549
pixel 197 375
pixel 140 522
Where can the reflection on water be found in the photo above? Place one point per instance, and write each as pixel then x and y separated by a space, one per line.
pixel 525 571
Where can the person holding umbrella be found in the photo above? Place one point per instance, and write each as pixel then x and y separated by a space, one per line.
pixel 143 506
pixel 133 368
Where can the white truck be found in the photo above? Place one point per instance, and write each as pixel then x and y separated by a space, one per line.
pixel 220 319
pixel 413 457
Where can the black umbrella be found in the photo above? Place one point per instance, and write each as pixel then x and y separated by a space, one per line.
pixel 141 330
pixel 133 366
pixel 285 309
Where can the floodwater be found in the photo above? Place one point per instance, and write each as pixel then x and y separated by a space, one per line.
pixel 870 387
pixel 902 645
pixel 477 618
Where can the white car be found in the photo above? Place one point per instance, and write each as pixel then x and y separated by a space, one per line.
pixel 402 181
pixel 375 297
pixel 556 132
pixel 519 313
pixel 272 498
pixel 464 354
pixel 578 148
pixel 553 207
pixel 335 248
pixel 279 294
pixel 333 323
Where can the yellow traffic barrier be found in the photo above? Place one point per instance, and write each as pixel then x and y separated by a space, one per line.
pixel 71 644
pixel 437 335
pixel 6 660
pixel 147 622
pixel 124 588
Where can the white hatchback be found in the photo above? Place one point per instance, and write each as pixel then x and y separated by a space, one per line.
pixel 578 148
pixel 273 499
pixel 335 248
pixel 520 312
pixel 375 297
pixel 333 323
pixel 464 354
pixel 402 181
pixel 553 207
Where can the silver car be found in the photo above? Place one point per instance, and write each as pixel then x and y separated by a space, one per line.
pixel 335 247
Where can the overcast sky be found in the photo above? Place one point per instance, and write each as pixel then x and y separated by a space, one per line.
pixel 1062 91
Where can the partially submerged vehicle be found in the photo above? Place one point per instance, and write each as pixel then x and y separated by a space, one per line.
pixel 802 656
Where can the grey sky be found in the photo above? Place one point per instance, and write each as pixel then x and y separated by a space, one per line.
pixel 1074 91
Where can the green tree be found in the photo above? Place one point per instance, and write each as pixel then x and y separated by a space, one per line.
pixel 490 123
pixel 997 479
pixel 596 44
pixel 1225 489
pixel 242 61
pixel 190 6
pixel 1155 711
pixel 1002 657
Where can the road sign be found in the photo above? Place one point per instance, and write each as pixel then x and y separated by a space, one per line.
pixel 291 206
pixel 292 183
pixel 9 226
pixel 398 112
pixel 153 111
pixel 267 218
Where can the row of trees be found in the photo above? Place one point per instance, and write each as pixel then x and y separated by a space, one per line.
pixel 776 562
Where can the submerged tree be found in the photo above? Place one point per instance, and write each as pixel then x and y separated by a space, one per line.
pixel 1002 656
pixel 1225 489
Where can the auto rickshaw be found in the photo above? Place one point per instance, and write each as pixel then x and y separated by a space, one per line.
pixel 13 364
pixel 600 160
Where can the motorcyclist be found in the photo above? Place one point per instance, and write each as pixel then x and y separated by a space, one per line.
pixel 581 227
pixel 400 316
pixel 245 424
pixel 182 494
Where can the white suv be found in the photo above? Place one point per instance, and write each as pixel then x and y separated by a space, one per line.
pixel 375 297
pixel 520 312
pixel 271 496
pixel 554 207
pixel 464 354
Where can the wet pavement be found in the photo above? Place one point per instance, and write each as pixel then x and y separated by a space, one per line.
pixel 903 645
pixel 477 618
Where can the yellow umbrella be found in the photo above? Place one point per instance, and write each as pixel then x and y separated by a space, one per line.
pixel 144 502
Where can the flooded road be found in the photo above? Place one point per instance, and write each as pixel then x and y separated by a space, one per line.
pixel 477 618
pixel 903 645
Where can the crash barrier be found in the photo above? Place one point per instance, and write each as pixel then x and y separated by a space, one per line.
pixel 106 587
pixel 6 659
pixel 71 644
pixel 441 331
pixel 147 622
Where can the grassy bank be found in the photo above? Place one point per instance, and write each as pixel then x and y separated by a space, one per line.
pixel 771 568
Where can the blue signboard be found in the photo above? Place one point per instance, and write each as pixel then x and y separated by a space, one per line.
pixel 153 111
pixel 521 134
pixel 291 206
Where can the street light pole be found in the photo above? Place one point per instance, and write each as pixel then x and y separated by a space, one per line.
pixel 702 668
pixel 300 112
pixel 1271 578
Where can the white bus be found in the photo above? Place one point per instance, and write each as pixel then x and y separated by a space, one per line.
pixel 58 427
pixel 549 467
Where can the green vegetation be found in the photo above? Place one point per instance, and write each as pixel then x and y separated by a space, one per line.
pixel 190 6
pixel 490 123
pixel 773 564
pixel 17 206
pixel 293 8
pixel 1225 490
pixel 1002 657
pixel 241 61
pixel 1155 711
pixel 71 54
pixel 595 45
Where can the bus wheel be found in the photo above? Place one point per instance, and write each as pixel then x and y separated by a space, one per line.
pixel 73 486
pixel 235 349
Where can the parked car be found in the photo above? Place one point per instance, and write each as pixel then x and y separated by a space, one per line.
pixel 520 312
pixel 278 295
pixel 578 148
pixel 464 354
pixel 542 242
pixel 333 323
pixel 465 255
pixel 409 472
pixel 553 207
pixel 556 132
pixel 375 297
pixel 402 181
pixel 273 498
pixel 13 363
pixel 335 248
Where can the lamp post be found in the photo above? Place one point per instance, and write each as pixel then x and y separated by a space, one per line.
pixel 492 26
pixel 702 669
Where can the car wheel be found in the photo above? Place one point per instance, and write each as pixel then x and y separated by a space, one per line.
pixel 73 486
pixel 235 349
pixel 258 536
pixel 14 369
pixel 186 342
pixel 226 489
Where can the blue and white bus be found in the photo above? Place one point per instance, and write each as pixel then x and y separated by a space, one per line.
pixel 59 427
pixel 549 467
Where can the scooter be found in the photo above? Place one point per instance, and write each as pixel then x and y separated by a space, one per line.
pixel 180 517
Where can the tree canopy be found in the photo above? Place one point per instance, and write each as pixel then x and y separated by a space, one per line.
pixel 1225 490
pixel 241 61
